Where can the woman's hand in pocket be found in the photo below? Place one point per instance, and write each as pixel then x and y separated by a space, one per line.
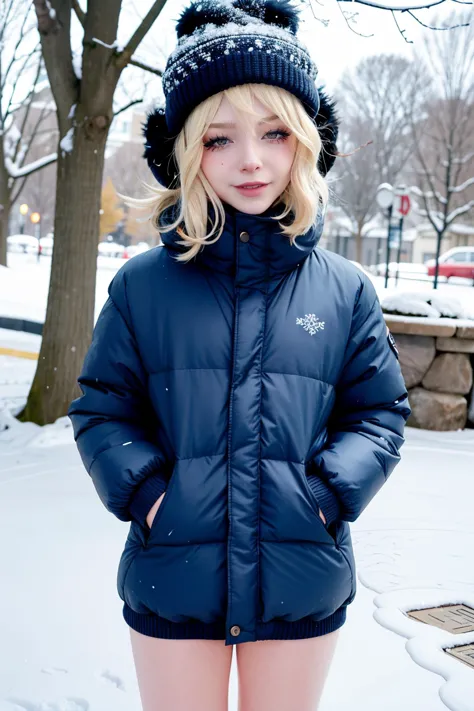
pixel 322 517
pixel 152 512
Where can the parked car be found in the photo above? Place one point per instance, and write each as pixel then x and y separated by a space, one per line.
pixel 22 243
pixel 46 243
pixel 110 249
pixel 456 262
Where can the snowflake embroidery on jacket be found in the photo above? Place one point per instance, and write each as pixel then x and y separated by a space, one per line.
pixel 310 323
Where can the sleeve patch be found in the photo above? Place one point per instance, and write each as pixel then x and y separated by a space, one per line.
pixel 392 344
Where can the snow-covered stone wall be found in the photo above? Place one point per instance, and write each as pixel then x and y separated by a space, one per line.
pixel 437 361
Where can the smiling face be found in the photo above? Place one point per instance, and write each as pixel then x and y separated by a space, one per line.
pixel 241 149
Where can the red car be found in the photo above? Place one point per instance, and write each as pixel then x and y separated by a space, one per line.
pixel 456 262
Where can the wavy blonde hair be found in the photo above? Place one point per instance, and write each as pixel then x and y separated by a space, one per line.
pixel 305 194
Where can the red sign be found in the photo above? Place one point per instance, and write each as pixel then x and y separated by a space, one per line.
pixel 402 205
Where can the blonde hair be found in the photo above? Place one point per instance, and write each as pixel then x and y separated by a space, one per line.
pixel 305 194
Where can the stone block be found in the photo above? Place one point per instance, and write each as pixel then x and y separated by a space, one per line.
pixel 416 355
pixel 455 345
pixel 437 411
pixel 449 373
pixel 465 332
pixel 421 326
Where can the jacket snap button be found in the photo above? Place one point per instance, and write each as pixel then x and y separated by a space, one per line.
pixel 244 236
pixel 235 631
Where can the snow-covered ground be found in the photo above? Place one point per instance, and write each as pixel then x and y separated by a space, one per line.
pixel 65 644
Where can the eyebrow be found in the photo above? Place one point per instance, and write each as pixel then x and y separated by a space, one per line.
pixel 231 125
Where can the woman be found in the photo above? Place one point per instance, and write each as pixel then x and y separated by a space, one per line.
pixel 242 399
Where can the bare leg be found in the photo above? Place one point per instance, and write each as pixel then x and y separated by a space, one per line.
pixel 182 674
pixel 284 675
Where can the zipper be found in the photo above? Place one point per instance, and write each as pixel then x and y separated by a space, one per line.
pixel 229 441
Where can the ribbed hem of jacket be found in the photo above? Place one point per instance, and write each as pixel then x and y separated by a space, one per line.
pixel 327 499
pixel 155 626
pixel 146 495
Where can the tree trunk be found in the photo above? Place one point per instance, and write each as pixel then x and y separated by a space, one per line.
pixel 71 299
pixel 5 207
pixel 4 220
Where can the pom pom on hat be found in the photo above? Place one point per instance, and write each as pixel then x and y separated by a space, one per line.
pixel 198 14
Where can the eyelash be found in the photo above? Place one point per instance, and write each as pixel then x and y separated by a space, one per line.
pixel 211 143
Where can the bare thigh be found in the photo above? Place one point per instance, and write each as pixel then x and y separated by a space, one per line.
pixel 182 674
pixel 284 675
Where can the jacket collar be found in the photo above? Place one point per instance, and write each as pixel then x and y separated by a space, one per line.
pixel 266 254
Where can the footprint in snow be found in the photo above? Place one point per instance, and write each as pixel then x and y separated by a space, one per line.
pixel 113 679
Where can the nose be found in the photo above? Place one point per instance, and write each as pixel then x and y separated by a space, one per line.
pixel 250 159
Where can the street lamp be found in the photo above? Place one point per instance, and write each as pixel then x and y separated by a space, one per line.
pixel 35 218
pixel 23 212
pixel 384 198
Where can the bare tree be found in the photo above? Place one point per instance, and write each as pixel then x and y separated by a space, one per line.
pixel 85 110
pixel 376 99
pixel 20 57
pixel 444 137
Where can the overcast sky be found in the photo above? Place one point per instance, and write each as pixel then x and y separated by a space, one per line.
pixel 334 48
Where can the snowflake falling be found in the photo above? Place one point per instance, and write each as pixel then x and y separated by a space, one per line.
pixel 310 323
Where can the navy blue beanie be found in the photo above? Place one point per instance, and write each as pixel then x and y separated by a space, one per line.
pixel 225 43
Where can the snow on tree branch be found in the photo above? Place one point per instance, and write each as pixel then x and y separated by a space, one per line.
pixel 458 189
pixel 16 171
pixel 429 195
pixel 459 211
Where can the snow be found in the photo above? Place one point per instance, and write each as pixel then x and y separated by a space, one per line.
pixel 210 38
pixel 68 646
pixel 17 171
pixel 115 45
pixel 427 304
pixel 51 10
pixel 67 141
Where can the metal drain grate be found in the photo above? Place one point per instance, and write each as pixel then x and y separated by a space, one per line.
pixel 465 653
pixel 453 618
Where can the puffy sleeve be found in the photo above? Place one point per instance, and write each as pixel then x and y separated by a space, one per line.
pixel 112 418
pixel 366 427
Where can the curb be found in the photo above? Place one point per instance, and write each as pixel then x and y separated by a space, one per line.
pixel 18 354
pixel 19 324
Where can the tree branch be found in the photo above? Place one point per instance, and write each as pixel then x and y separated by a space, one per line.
pixel 15 172
pixel 127 106
pixel 408 6
pixel 146 24
pixel 54 24
pixel 145 67
pixel 459 211
pixel 79 12
pixel 459 188
pixel 430 27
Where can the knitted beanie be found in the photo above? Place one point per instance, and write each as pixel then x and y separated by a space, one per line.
pixel 225 43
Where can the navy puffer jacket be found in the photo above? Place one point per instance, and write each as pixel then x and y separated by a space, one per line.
pixel 257 385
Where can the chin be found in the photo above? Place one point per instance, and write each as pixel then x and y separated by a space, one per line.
pixel 252 206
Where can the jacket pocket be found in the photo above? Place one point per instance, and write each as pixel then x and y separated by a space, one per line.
pixel 164 503
pixel 330 528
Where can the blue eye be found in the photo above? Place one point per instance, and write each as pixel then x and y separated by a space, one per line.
pixel 279 135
